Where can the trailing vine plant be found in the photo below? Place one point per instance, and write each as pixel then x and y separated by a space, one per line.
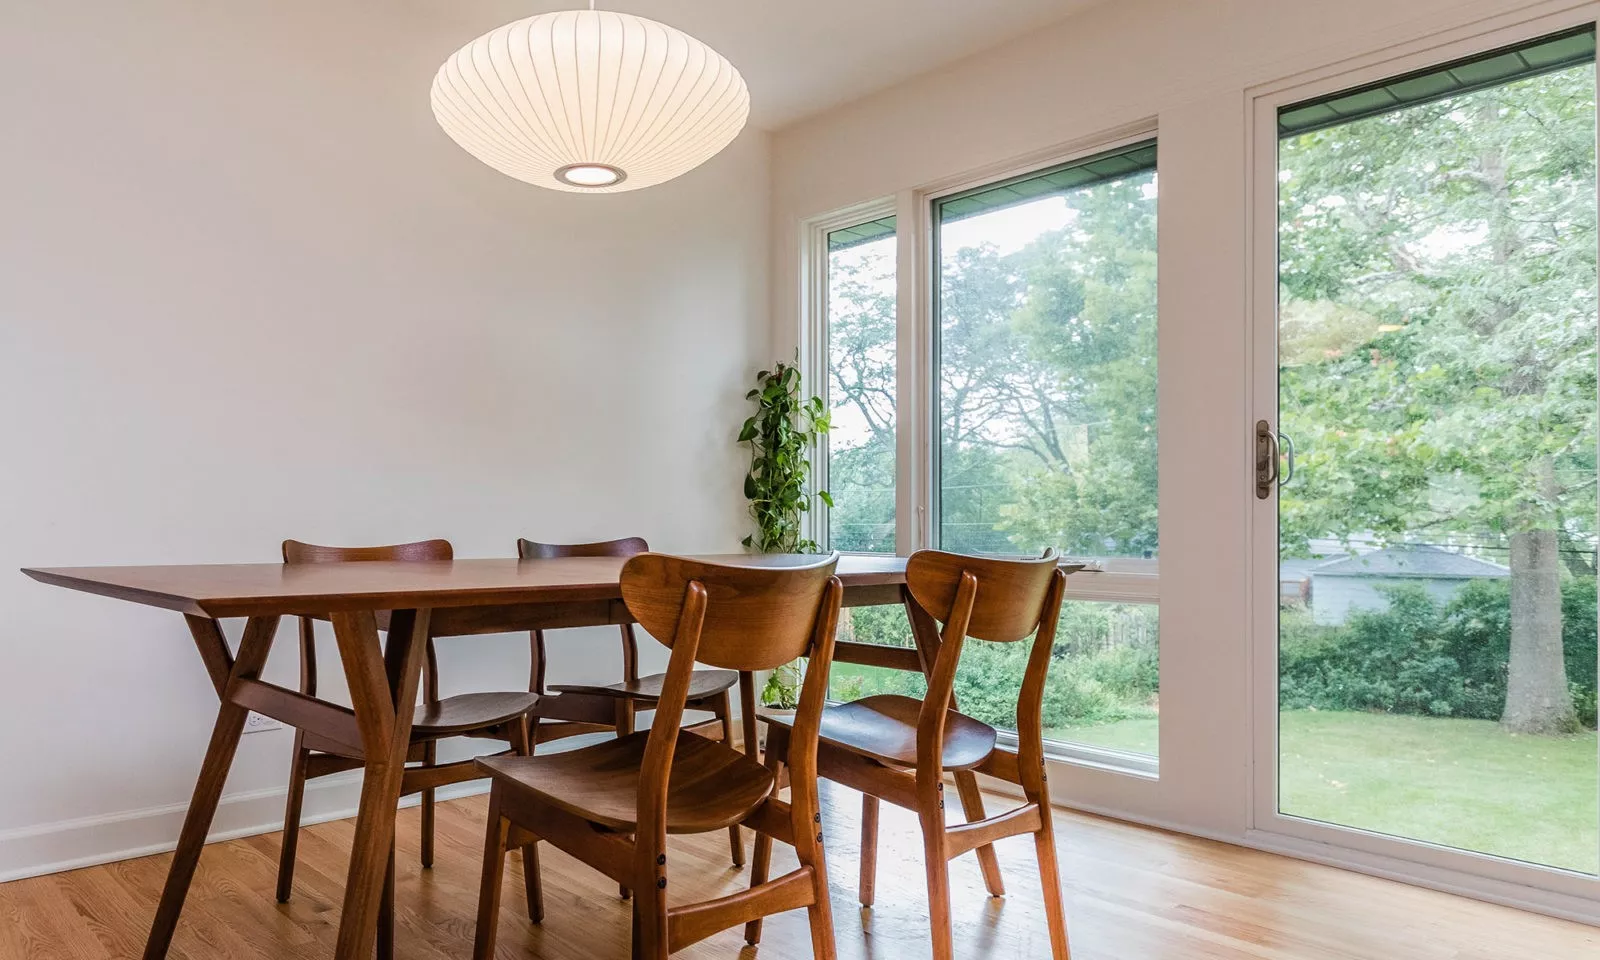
pixel 781 435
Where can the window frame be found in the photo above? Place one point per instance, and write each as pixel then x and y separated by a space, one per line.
pixel 1104 579
pixel 1109 579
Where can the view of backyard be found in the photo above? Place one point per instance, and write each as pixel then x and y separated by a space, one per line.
pixel 1437 351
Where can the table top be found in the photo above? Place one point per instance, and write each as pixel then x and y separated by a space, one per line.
pixel 265 589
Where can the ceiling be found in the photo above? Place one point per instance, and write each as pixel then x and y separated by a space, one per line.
pixel 805 56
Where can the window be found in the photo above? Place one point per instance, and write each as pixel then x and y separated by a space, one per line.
pixel 1042 383
pixel 1046 324
pixel 1437 332
pixel 861 386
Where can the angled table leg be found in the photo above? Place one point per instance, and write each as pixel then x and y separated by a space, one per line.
pixel 224 669
pixel 383 691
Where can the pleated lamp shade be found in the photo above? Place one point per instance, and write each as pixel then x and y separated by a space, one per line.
pixel 590 101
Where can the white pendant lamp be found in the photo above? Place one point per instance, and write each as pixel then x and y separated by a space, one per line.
pixel 590 101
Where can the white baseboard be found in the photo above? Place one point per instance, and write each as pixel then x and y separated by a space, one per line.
pixel 87 841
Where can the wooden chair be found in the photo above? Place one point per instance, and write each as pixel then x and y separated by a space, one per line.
pixel 613 804
pixel 499 716
pixel 569 709
pixel 899 749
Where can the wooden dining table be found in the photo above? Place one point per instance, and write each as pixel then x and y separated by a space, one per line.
pixel 411 601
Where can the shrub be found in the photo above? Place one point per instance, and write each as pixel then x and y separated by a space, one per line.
pixel 1420 657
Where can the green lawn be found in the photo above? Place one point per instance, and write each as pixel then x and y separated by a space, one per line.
pixel 1139 735
pixel 1461 783
pixel 1458 783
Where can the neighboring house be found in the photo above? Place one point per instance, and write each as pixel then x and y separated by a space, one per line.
pixel 1294 579
pixel 1339 587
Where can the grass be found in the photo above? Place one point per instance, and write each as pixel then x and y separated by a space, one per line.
pixel 1457 783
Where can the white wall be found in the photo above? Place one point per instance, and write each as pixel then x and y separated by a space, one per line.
pixel 249 291
pixel 1187 68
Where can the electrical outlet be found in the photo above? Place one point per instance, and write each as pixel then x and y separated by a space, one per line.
pixel 256 723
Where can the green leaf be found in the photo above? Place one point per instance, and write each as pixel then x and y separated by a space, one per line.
pixel 825 497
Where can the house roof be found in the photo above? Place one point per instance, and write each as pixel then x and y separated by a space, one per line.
pixel 1297 568
pixel 1431 563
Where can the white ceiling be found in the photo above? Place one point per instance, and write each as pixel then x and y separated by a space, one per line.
pixel 803 56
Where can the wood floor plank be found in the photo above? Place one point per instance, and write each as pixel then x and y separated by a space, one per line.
pixel 1131 893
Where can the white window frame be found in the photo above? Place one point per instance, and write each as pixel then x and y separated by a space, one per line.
pixel 1546 889
pixel 1110 579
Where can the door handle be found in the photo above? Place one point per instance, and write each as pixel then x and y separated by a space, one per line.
pixel 1286 442
pixel 1266 459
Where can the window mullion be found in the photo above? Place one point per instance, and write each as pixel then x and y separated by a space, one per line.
pixel 914 371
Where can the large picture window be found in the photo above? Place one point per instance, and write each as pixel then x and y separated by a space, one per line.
pixel 1041 383
pixel 1046 325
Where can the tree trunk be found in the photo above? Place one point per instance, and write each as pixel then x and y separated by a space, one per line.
pixel 1538 699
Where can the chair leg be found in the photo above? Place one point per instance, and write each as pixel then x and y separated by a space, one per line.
pixel 521 735
pixel 937 863
pixel 532 885
pixel 723 709
pixel 650 917
pixel 869 848
pixel 386 912
pixel 494 863
pixel 762 863
pixel 820 912
pixel 430 756
pixel 1044 842
pixel 972 805
pixel 624 724
pixel 291 818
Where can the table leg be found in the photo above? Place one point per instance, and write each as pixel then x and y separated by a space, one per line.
pixel 747 713
pixel 224 669
pixel 383 692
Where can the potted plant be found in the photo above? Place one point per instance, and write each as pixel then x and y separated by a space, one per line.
pixel 781 434
pixel 780 695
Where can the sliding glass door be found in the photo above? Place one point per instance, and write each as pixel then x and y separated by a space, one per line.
pixel 1433 456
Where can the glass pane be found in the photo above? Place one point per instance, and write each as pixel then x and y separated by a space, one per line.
pixel 861 387
pixel 1047 369
pixel 1104 684
pixel 1102 688
pixel 1437 285
pixel 885 626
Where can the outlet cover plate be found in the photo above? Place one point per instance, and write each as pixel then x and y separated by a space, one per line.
pixel 257 723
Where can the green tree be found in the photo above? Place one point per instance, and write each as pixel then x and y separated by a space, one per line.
pixel 1437 353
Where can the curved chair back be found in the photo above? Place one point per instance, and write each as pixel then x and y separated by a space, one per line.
pixel 1010 596
pixel 534 550
pixel 296 552
pixel 754 617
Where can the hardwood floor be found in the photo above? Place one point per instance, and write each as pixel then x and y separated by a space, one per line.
pixel 1132 894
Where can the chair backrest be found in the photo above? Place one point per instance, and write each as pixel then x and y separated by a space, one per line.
pixel 296 552
pixel 756 617
pixel 996 600
pixel 627 547
pixel 1010 596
